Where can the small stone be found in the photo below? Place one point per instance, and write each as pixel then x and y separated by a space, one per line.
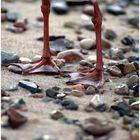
pixel 115 71
pixel 67 91
pixel 96 101
pixel 37 95
pixel 116 52
pixel 134 21
pixel 4 9
pixel 30 86
pixel 36 58
pixel 128 68
pixel 12 88
pixel 60 7
pixel 89 27
pixel 88 10
pixel 56 114
pixel 122 108
pixel 85 63
pixel 5 99
pixel 87 44
pixel 15 29
pixel 70 56
pixel 3 17
pixel 90 90
pixel 84 51
pixel 115 10
pixel 77 93
pixel 60 62
pixel 61 96
pixel 12 16
pixel 45 137
pixel 52 93
pixel 69 104
pixel 7 58
pixel 4 121
pixel 88 108
pixel 60 44
pixel 79 87
pixel 71 25
pixel 25 60
pixel 128 40
pixel 21 23
pixel 15 69
pixel 91 59
pixel 134 135
pixel 110 34
pixel 4 93
pixel 122 90
pixel 15 119
pixel 106 44
pixel 134 79
pixel 18 104
pixel 97 127
pixel 135 105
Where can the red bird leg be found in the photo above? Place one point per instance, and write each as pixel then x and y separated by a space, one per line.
pixel 45 64
pixel 95 77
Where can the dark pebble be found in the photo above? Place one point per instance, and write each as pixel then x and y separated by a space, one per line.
pixel 89 27
pixel 77 2
pixel 128 40
pixel 122 108
pixel 110 34
pixel 134 22
pixel 69 104
pixel 30 86
pixel 115 10
pixel 133 58
pixel 60 7
pixel 88 10
pixel 7 58
pixel 52 93
pixel 4 10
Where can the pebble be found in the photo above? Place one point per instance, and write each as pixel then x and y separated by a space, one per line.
pixel 97 127
pixel 79 87
pixel 30 86
pixel 128 68
pixel 71 25
pixel 3 17
pixel 56 114
pixel 134 21
pixel 115 10
pixel 90 90
pixel 87 44
pixel 89 27
pixel 60 62
pixel 77 2
pixel 84 51
pixel 115 71
pixel 88 10
pixel 7 58
pixel 4 10
pixel 91 59
pixel 134 79
pixel 18 104
pixel 12 88
pixel 116 52
pixel 134 135
pixel 106 44
pixel 37 95
pixel 60 44
pixel 122 90
pixel 70 56
pixel 88 108
pixel 4 121
pixel 12 16
pixel 135 105
pixel 122 108
pixel 25 60
pixel 15 29
pixel 77 93
pixel 15 69
pixel 96 101
pixel 45 137
pixel 15 119
pixel 60 7
pixel 133 59
pixel 85 63
pixel 61 95
pixel 110 34
pixel 128 40
pixel 52 93
pixel 4 93
pixel 69 104
pixel 21 23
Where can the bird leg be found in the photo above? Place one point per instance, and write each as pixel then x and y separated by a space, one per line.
pixel 45 64
pixel 96 76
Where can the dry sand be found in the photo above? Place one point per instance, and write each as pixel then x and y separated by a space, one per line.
pixel 25 45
